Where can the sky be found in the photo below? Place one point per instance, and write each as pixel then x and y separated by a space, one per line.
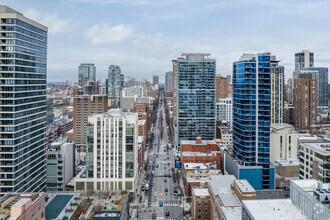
pixel 144 36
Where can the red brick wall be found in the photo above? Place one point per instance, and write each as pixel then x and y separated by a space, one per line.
pixel 199 147
pixel 203 159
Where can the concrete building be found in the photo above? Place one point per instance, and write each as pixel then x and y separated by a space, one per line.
pixel 221 87
pixel 115 82
pixel 132 91
pixel 225 110
pixel 84 106
pixel 314 160
pixel 305 101
pixel 155 80
pixel 196 90
pixel 288 94
pixel 111 164
pixel 23 206
pixel 252 115
pixel 23 103
pixel 60 164
pixel 127 103
pixel 283 142
pixel 86 73
pixel 200 206
pixel 304 59
pixel 277 93
pixel 169 81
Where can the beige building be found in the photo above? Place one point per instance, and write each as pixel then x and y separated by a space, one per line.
pixel 315 161
pixel 277 94
pixel 201 205
pixel 84 106
pixel 283 142
pixel 221 87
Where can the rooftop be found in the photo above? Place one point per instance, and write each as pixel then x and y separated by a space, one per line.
pixel 203 142
pixel 206 153
pixel 307 184
pixel 279 126
pixel 6 9
pixel 201 166
pixel 244 186
pixel 323 147
pixel 273 209
pixel 232 213
pixel 200 192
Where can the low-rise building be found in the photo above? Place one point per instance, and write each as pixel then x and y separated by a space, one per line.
pixel 201 205
pixel 25 206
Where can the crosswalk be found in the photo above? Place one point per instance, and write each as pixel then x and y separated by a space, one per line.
pixel 166 204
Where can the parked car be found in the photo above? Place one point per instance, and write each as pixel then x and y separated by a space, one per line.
pixel 154 216
pixel 149 204
pixel 167 213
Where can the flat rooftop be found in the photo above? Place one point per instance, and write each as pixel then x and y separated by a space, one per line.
pixel 323 147
pixel 232 213
pixel 279 209
pixel 200 192
pixel 307 184
pixel 207 153
pixel 244 186
pixel 279 126
pixel 203 142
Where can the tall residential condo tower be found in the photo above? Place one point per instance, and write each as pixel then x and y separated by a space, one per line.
pixel 86 73
pixel 169 81
pixel 252 116
pixel 304 59
pixel 195 97
pixel 23 103
pixel 115 82
pixel 277 91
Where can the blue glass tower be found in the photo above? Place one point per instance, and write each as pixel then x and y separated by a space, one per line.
pixel 252 113
pixel 196 109
pixel 23 103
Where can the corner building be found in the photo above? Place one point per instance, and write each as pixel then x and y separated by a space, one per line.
pixel 252 115
pixel 23 103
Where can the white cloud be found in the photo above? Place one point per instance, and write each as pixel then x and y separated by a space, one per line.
pixel 105 34
pixel 52 21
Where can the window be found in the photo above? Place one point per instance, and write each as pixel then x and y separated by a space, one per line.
pixel 199 210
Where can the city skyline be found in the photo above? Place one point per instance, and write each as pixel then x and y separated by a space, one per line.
pixel 144 36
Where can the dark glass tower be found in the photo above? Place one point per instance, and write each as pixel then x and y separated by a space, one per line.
pixel 252 112
pixel 23 103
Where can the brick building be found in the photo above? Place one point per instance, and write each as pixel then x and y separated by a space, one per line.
pixel 221 87
pixel 201 206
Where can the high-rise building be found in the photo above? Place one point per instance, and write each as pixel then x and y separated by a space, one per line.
pixel 23 103
pixel 305 101
pixel 84 106
pixel 277 91
pixel 304 59
pixel 221 87
pixel 50 110
pixel 111 164
pixel 169 81
pixel 321 75
pixel 252 115
pixel 195 109
pixel 289 91
pixel 225 110
pixel 86 73
pixel 115 82
pixel 155 80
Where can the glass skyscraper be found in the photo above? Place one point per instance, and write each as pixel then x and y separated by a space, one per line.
pixel 86 73
pixel 196 109
pixel 23 103
pixel 252 112
pixel 115 82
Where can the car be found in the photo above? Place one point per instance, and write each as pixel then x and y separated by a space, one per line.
pixel 140 200
pixel 168 158
pixel 152 183
pixel 157 166
pixel 160 203
pixel 153 216
pixel 153 172
pixel 166 189
pixel 167 213
pixel 168 164
pixel 155 193
pixel 165 180
pixel 149 204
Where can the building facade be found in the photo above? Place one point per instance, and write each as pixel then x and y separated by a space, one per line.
pixel 60 165
pixel 169 81
pixel 315 161
pixel 283 142
pixel 304 59
pixel 252 112
pixel 50 111
pixel 23 103
pixel 155 80
pixel 225 111
pixel 277 93
pixel 86 73
pixel 195 101
pixel 221 87
pixel 305 101
pixel 115 82
pixel 84 106
pixel 111 152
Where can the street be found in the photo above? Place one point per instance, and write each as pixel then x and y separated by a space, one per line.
pixel 159 176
